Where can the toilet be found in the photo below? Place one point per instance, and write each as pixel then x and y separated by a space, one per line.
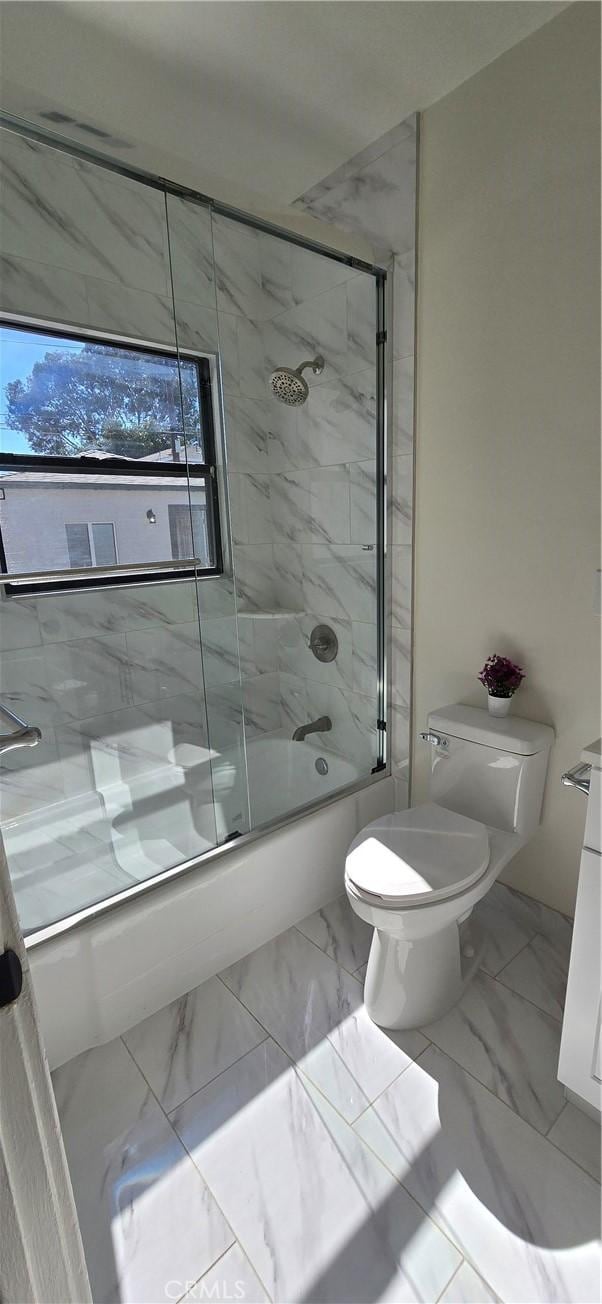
pixel 417 874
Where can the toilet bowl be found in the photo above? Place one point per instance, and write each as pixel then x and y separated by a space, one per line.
pixel 416 875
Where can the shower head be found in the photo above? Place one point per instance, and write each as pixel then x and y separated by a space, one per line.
pixel 290 386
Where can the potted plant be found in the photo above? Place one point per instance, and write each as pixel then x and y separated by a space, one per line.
pixel 501 678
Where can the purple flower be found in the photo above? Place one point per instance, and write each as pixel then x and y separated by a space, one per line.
pixel 501 676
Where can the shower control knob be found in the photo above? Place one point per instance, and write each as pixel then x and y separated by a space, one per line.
pixel 324 643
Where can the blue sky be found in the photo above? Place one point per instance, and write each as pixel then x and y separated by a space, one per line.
pixel 18 351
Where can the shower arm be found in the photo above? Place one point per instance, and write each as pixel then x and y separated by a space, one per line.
pixel 316 364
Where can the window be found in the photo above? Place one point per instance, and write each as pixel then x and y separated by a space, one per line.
pixel 106 459
pixel 188 530
pixel 92 545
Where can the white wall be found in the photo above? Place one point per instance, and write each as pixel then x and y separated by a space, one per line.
pixel 508 398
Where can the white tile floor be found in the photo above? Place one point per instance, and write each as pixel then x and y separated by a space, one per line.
pixel 261 1139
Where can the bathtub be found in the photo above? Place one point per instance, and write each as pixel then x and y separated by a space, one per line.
pixel 284 775
pixel 76 853
pixel 179 812
pixel 110 969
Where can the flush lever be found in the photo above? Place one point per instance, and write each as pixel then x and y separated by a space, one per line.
pixel 578 777
pixel 435 739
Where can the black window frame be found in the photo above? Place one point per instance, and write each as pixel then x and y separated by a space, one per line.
pixel 89 465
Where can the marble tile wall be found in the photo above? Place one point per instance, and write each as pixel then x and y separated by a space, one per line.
pixel 110 675
pixel 301 481
pixel 374 194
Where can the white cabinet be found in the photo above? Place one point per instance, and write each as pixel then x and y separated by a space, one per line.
pixel 580 1065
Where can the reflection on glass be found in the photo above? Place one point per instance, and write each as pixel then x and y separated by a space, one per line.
pixel 66 397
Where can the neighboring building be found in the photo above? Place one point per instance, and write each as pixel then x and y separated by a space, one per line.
pixel 51 521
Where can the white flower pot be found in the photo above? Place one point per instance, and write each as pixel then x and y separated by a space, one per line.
pixel 498 705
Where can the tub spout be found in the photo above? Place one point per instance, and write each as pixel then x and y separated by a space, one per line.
pixel 315 726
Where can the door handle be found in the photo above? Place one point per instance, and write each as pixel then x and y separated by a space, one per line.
pixel 23 735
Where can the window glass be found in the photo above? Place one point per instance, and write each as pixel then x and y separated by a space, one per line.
pixel 78 545
pixel 70 408
pixel 103 536
pixel 188 531
pixel 64 397
pixel 151 519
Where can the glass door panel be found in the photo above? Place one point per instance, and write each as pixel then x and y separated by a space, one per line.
pixel 198 343
pixel 99 619
pixel 297 333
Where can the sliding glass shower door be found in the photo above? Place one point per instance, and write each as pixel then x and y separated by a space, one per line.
pixel 191 528
pixel 110 530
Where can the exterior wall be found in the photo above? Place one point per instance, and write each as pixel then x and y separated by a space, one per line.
pixel 51 507
pixel 508 473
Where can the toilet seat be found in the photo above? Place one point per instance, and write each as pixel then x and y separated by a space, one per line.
pixel 417 857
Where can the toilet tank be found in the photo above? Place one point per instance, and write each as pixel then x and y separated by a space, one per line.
pixel 491 769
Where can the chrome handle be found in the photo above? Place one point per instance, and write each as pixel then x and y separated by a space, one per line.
pixel 25 735
pixel 577 778
pixel 435 739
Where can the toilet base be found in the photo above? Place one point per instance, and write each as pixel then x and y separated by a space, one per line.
pixel 411 983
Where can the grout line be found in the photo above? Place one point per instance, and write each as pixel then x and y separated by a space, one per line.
pixel 153 1093
pixel 366 1199
pixel 236 1240
pixel 554 1018
pixel 427 1212
pixel 191 1287
pixel 351 972
pixel 449 1054
pixel 168 1113
pixel 452 1278
pixel 512 957
pixel 542 1135
pixel 372 1103
pixel 401 1182
pixel 498 978
pixel 556 1119
pixel 468 1263
pixel 185 1148
pixel 296 1065
pixel 572 1159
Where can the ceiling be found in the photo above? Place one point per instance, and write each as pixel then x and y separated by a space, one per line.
pixel 252 100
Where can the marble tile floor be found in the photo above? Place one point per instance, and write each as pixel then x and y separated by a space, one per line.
pixel 260 1139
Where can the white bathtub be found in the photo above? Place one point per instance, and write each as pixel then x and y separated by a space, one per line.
pixel 108 972
pixel 283 776
pixel 178 812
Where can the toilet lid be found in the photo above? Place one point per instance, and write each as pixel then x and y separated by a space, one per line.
pixel 418 855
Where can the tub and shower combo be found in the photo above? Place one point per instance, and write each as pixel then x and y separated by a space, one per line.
pixel 192 533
